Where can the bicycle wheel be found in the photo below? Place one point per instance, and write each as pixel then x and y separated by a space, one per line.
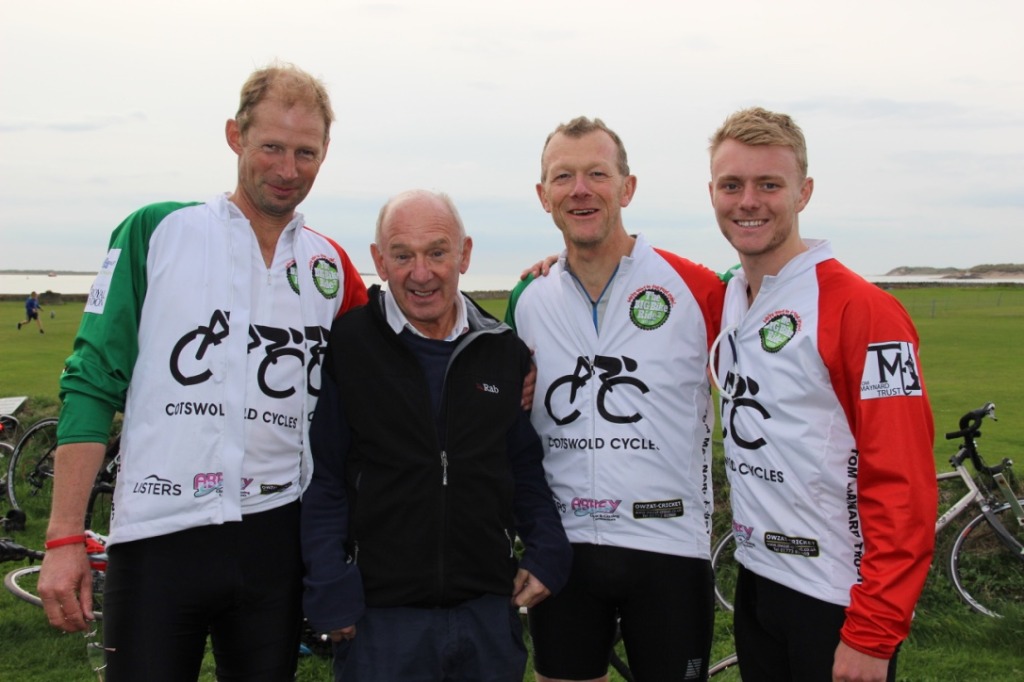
pixel 723 563
pixel 30 473
pixel 986 573
pixel 21 582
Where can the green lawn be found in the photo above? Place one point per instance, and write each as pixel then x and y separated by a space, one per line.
pixel 971 353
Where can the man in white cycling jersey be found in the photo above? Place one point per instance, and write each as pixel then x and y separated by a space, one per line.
pixel 827 429
pixel 206 325
pixel 620 332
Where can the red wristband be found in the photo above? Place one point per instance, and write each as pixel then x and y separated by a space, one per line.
pixel 69 540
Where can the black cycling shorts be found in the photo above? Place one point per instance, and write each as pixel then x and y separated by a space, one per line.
pixel 240 583
pixel 783 635
pixel 664 605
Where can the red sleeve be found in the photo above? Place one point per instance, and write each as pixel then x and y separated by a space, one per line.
pixel 353 288
pixel 870 347
pixel 707 288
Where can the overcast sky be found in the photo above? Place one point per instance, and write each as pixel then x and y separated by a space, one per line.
pixel 913 111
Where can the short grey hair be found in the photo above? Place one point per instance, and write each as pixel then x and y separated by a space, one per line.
pixel 408 195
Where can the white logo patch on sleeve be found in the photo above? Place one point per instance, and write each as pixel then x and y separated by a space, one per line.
pixel 890 370
pixel 101 285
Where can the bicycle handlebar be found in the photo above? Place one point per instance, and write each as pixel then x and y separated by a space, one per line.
pixel 12 551
pixel 970 423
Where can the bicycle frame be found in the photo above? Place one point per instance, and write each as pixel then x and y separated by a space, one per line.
pixel 976 494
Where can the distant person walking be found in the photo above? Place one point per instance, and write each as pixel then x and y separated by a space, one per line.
pixel 32 309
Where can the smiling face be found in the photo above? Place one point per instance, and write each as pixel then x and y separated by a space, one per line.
pixel 583 189
pixel 757 192
pixel 420 254
pixel 279 157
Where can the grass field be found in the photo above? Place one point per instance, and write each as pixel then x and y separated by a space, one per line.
pixel 971 353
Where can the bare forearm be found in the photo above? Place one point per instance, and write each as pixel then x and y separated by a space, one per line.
pixel 75 468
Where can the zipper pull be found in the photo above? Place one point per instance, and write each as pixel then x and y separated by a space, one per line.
pixel 511 545
pixel 444 468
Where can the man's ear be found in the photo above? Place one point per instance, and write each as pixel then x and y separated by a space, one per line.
pixel 233 135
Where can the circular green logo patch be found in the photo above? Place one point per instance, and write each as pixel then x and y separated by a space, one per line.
pixel 649 309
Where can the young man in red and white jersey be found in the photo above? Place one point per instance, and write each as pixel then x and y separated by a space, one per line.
pixel 827 428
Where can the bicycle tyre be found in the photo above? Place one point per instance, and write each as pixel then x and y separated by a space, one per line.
pixel 722 665
pixel 97 514
pixel 30 472
pixel 986 573
pixel 726 568
pixel 22 582
pixel 101 498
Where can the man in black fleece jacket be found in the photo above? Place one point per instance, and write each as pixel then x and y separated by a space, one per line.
pixel 426 469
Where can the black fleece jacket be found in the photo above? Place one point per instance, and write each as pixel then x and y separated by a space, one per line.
pixel 416 497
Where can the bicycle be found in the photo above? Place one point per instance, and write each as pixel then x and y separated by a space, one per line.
pixel 986 560
pixel 30 476
pixel 22 582
pixel 8 432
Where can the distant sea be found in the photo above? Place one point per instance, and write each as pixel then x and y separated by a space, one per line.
pixel 79 283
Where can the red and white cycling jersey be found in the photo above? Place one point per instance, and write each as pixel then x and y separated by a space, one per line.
pixel 828 440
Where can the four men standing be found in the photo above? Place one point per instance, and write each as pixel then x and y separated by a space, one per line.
pixel 424 469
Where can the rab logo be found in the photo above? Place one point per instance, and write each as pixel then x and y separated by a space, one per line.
pixel 488 388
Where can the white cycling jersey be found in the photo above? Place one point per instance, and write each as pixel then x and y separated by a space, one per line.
pixel 828 442
pixel 215 358
pixel 625 413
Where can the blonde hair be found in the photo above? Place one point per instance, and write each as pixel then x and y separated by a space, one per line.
pixel 288 83
pixel 757 126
